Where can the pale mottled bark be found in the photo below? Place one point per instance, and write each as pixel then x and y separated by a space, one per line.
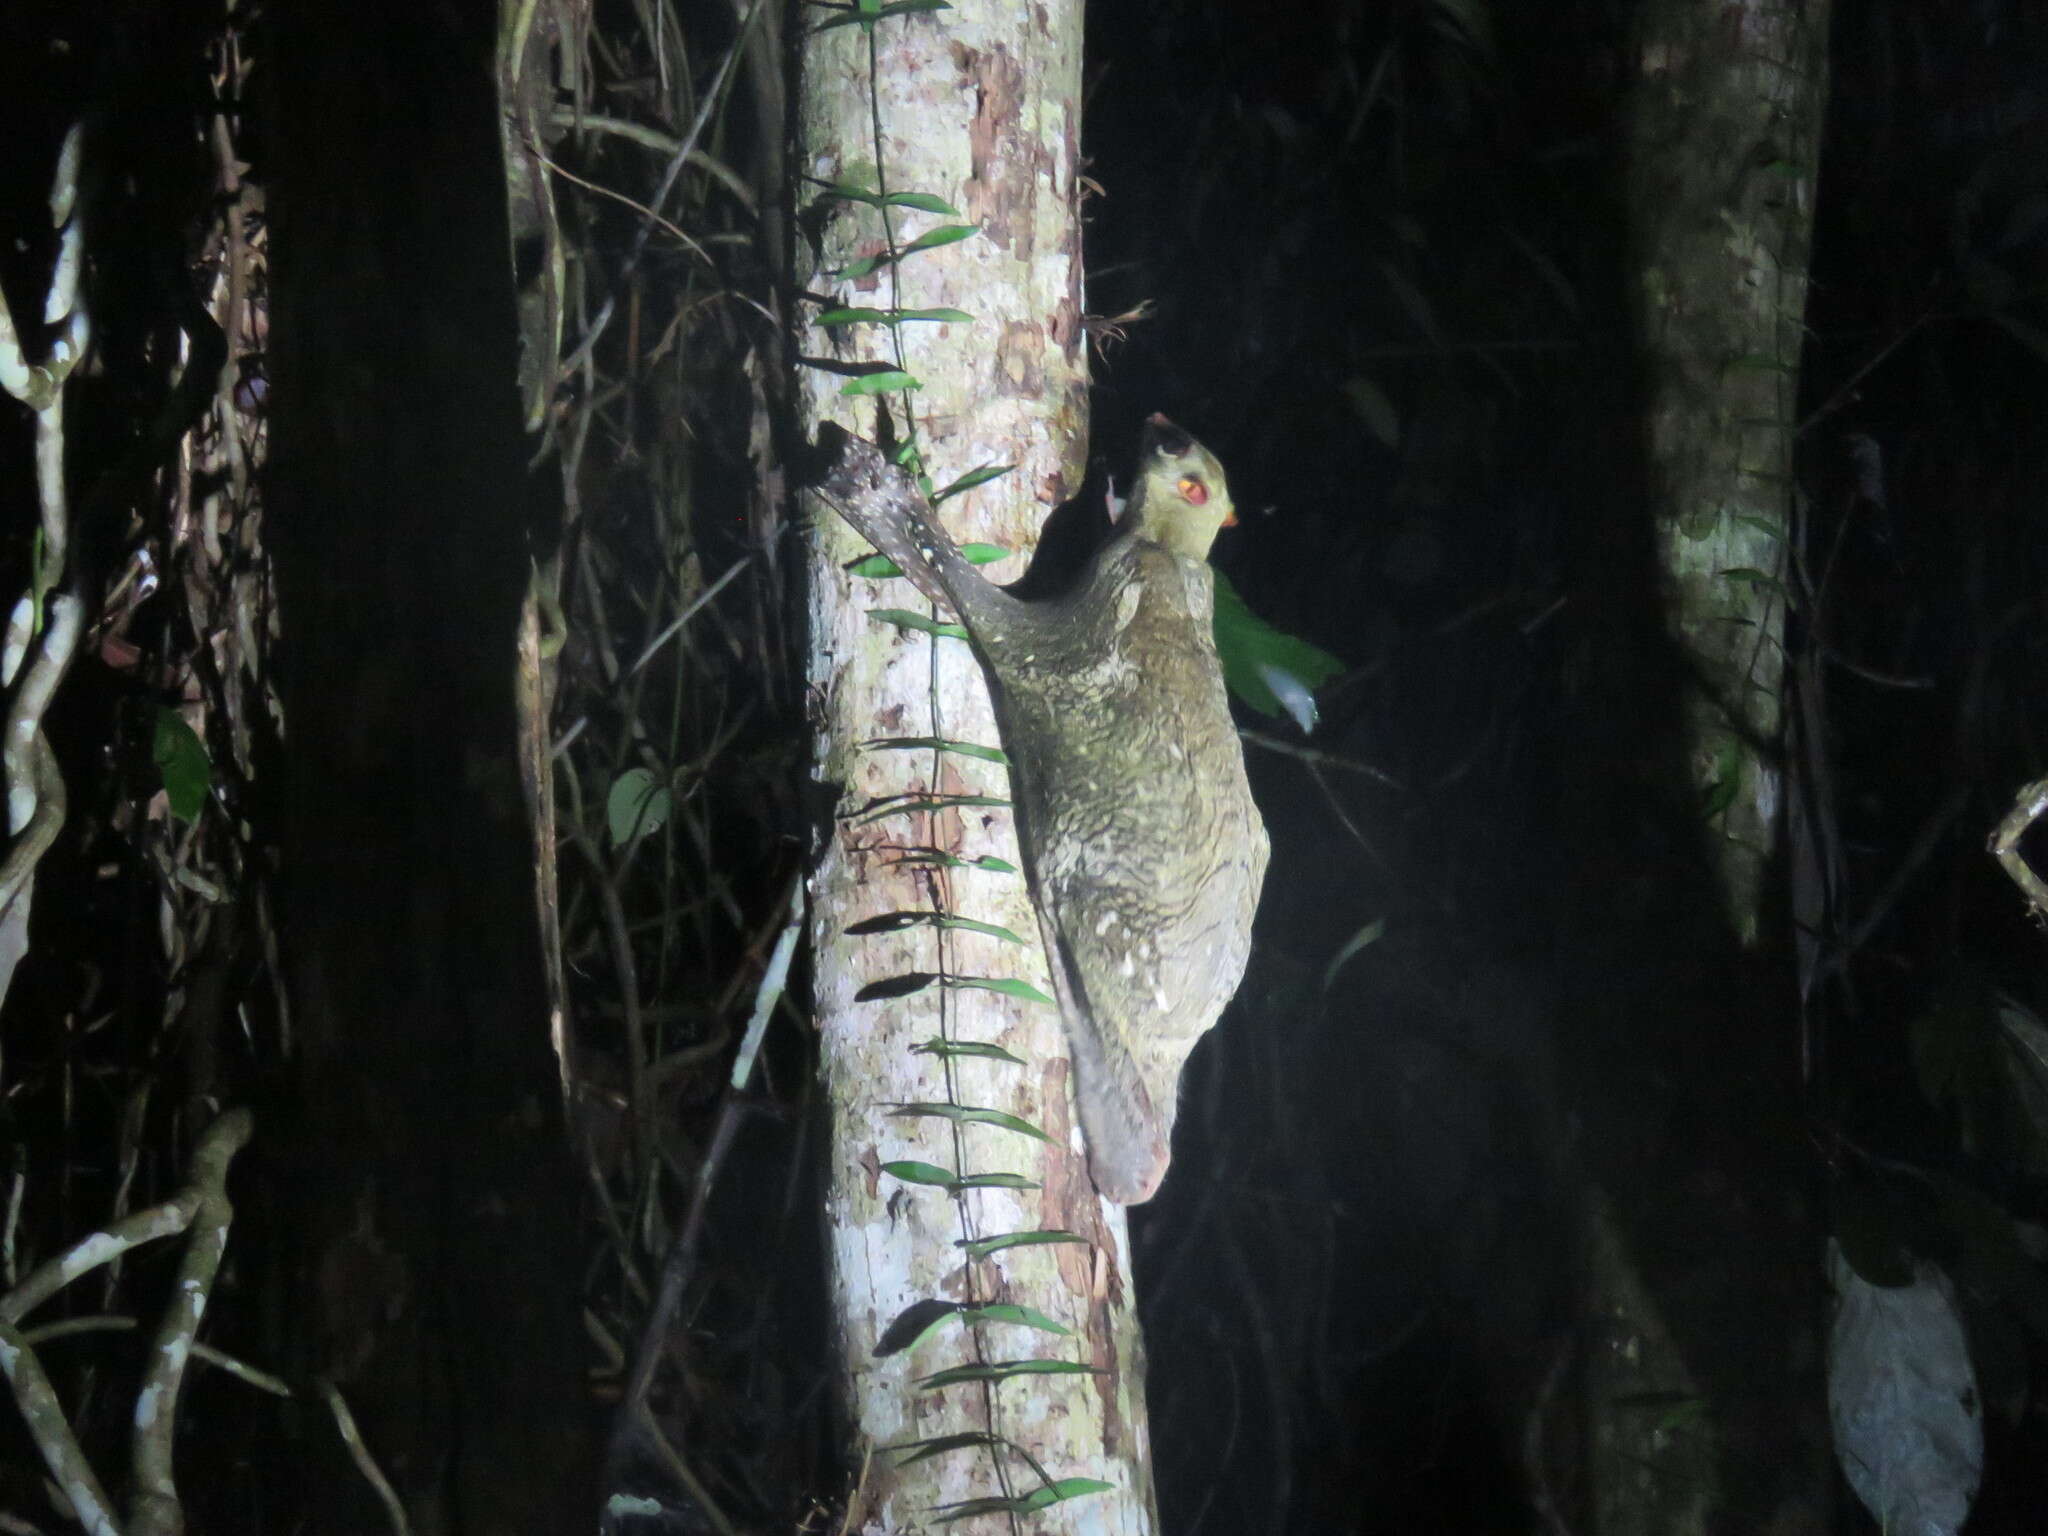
pixel 980 106
pixel 1725 129
pixel 1724 126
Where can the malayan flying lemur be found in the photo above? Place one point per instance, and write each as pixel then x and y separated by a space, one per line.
pixel 1143 847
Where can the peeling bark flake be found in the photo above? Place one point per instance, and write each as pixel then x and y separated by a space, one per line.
pixel 1001 164
pixel 1019 370
pixel 1066 324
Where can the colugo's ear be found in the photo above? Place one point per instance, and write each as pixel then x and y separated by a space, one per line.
pixel 1164 438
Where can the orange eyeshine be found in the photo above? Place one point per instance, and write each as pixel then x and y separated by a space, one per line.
pixel 1193 490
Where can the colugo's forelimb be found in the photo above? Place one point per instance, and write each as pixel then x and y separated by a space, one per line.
pixel 888 509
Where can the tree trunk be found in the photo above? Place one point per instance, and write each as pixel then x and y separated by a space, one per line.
pixel 1701 1390
pixel 1725 132
pixel 979 105
pixel 435 1215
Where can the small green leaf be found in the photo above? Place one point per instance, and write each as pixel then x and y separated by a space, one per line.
pixel 638 803
pixel 1371 933
pixel 924 202
pixel 1005 1370
pixel 904 805
pixel 1727 782
pixel 896 922
pixel 865 16
pixel 1245 643
pixel 924 624
pixel 913 1323
pixel 971 479
pixel 180 757
pixel 1006 1312
pixel 1042 1497
pixel 862 13
pixel 967 1114
pixel 1762 580
pixel 938 858
pixel 885 382
pixel 887 922
pixel 969 925
pixel 860 316
pixel 1764 525
pixel 895 986
pixel 908 1451
pixel 953 802
pixel 1061 1489
pixel 880 567
pixel 982 1247
pixel 913 1172
pixel 979 1049
pixel 935 743
pixel 1682 1413
pixel 844 19
pixel 1009 986
pixel 945 234
pixel 916 1322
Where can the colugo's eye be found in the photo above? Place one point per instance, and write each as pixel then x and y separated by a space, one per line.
pixel 1193 491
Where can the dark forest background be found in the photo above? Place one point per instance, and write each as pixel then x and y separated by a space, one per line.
pixel 1374 255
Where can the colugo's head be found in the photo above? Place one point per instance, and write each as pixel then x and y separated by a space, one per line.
pixel 1181 497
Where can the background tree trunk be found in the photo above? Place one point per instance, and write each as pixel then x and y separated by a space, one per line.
pixel 979 105
pixel 1725 124
pixel 436 1221
pixel 1689 1429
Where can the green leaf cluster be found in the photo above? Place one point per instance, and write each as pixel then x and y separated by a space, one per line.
pixel 180 756
pixel 1256 656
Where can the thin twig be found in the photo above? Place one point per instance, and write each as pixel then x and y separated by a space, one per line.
pixel 43 1413
pixel 689 613
pixel 155 1510
pixel 2027 808
pixel 1320 759
pixel 359 1453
